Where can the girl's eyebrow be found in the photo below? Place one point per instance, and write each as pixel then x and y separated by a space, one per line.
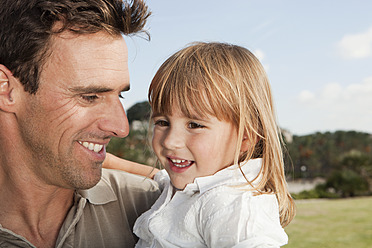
pixel 153 115
pixel 192 117
pixel 197 117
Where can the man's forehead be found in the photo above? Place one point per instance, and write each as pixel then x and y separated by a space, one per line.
pixel 97 45
pixel 89 62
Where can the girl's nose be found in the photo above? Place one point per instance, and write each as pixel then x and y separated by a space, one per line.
pixel 173 139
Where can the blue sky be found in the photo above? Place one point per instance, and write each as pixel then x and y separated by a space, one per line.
pixel 317 54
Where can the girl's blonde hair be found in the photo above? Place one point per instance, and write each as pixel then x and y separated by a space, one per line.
pixel 228 82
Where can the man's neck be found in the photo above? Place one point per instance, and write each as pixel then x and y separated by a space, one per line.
pixel 33 211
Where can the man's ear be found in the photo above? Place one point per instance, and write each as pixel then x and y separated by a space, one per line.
pixel 7 84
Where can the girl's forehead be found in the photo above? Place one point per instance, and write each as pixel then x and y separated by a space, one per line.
pixel 186 111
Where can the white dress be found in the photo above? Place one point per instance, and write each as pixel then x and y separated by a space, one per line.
pixel 210 212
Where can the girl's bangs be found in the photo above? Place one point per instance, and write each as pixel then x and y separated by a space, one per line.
pixel 188 88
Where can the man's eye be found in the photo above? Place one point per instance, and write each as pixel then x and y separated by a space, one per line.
pixel 89 98
pixel 121 95
pixel 194 125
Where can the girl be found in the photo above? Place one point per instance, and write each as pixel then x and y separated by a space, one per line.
pixel 216 136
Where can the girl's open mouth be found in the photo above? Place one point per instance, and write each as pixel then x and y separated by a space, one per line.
pixel 181 163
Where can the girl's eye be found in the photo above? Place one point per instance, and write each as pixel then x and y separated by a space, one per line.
pixel 89 98
pixel 194 125
pixel 161 123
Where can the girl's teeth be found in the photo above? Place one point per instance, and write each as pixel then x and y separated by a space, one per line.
pixel 177 161
pixel 181 163
pixel 91 146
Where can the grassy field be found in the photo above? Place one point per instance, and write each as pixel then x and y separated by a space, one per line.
pixel 332 224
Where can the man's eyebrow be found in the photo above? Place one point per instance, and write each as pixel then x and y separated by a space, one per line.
pixel 94 89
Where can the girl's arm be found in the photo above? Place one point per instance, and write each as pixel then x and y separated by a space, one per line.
pixel 114 162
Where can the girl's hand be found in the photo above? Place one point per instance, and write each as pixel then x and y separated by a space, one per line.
pixel 116 163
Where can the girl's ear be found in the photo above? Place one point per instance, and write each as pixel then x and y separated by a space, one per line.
pixel 7 84
pixel 248 142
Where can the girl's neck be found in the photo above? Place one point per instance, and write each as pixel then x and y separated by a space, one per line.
pixel 174 189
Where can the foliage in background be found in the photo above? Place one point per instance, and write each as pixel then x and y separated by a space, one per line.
pixel 323 153
pixel 353 177
pixel 139 111
pixel 136 146
pixel 343 158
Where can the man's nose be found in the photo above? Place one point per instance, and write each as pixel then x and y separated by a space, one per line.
pixel 115 121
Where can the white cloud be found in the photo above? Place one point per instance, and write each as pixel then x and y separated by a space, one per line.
pixel 332 91
pixel 356 46
pixel 306 96
pixel 337 107
pixel 261 55
pixel 333 96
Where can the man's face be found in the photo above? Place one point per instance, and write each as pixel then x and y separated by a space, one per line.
pixel 76 110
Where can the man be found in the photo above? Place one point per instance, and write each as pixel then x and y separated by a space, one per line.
pixel 63 66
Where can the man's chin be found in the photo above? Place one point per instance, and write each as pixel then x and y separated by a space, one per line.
pixel 88 185
pixel 89 180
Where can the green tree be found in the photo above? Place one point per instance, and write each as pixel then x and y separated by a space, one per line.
pixel 322 153
pixel 139 111
pixel 135 147
pixel 347 183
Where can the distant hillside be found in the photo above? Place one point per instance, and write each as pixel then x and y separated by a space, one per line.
pixel 320 154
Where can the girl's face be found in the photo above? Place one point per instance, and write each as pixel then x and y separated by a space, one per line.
pixel 190 148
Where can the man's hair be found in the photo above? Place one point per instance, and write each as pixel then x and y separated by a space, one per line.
pixel 26 27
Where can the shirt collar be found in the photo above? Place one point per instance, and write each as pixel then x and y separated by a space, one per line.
pixel 100 194
pixel 228 176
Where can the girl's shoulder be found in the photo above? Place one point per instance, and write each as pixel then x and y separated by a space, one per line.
pixel 231 199
pixel 239 212
pixel 228 202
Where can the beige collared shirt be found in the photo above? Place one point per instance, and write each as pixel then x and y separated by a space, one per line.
pixel 102 216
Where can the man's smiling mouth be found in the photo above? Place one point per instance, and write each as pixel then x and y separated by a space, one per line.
pixel 91 146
